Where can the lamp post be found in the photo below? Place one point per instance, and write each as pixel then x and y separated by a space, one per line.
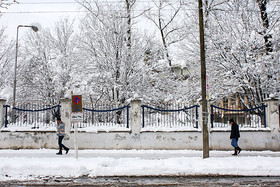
pixel 35 29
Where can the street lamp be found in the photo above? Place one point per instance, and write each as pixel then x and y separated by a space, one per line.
pixel 35 29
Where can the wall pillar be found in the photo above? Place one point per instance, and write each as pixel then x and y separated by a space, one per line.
pixel 272 121
pixel 65 113
pixel 135 116
pixel 272 114
pixel 2 112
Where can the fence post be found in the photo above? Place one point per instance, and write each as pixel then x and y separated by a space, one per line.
pixel 212 115
pixel 2 112
pixel 65 113
pixel 135 116
pixel 272 119
pixel 196 115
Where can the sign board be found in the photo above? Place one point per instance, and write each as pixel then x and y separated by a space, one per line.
pixel 77 104
pixel 77 109
pixel 77 117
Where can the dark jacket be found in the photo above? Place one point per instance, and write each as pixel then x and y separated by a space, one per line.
pixel 234 131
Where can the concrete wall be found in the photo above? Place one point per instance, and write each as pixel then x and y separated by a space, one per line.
pixel 134 138
pixel 104 140
pixel 250 140
pixel 28 140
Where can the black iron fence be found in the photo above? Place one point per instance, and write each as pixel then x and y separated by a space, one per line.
pixel 110 116
pixel 31 116
pixel 106 116
pixel 250 118
pixel 170 116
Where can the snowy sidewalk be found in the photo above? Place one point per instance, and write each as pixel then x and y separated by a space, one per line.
pixel 29 164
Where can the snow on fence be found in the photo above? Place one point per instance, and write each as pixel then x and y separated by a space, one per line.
pixel 169 117
pixel 26 116
pixel 250 118
pixel 104 117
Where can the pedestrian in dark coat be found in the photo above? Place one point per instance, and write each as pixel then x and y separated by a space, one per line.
pixel 234 135
pixel 60 133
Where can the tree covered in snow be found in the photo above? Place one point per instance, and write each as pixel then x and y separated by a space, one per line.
pixel 117 61
pixel 46 63
pixel 188 49
pixel 6 65
pixel 4 4
pixel 104 45
pixel 242 48
pixel 108 58
pixel 166 16
pixel 6 57
pixel 239 58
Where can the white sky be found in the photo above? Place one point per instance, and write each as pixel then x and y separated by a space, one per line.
pixel 44 12
pixel 29 164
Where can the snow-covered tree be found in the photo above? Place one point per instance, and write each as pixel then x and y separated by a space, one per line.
pixel 4 4
pixel 6 57
pixel 165 15
pixel 241 53
pixel 242 48
pixel 117 69
pixel 6 65
pixel 103 41
pixel 46 63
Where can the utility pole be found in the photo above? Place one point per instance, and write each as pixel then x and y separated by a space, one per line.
pixel 203 83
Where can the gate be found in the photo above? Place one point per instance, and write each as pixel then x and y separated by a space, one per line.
pixel 183 119
pixel 98 117
pixel 31 116
pixel 250 118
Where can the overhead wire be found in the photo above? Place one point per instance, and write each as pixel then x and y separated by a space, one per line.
pixel 83 11
pixel 76 2
pixel 102 2
pixel 110 1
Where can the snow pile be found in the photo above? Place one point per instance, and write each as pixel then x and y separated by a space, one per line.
pixel 30 164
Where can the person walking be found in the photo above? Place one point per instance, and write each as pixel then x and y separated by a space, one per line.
pixel 60 133
pixel 234 135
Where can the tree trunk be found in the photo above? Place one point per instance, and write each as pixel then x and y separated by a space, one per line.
pixel 264 17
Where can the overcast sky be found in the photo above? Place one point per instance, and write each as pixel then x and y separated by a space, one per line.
pixel 47 12
pixel 44 12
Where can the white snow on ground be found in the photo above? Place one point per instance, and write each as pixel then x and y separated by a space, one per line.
pixel 30 164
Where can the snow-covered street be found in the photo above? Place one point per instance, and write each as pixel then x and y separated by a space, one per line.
pixel 32 164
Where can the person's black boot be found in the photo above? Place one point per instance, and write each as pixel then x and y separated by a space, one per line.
pixel 59 153
pixel 67 149
pixel 235 152
pixel 239 149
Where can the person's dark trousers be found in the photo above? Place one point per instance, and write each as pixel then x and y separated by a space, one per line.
pixel 60 138
pixel 234 143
